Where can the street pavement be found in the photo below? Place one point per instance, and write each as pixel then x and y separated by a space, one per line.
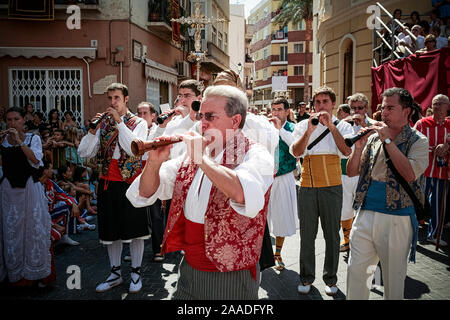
pixel 427 279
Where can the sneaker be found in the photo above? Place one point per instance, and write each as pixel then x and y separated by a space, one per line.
pixel 66 240
pixel 113 280
pixel 442 243
pixel 89 218
pixel 344 247
pixel 304 288
pixel 331 290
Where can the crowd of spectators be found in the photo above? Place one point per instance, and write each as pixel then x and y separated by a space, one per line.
pixel 69 180
pixel 431 33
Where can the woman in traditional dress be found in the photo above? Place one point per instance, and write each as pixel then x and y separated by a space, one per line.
pixel 24 219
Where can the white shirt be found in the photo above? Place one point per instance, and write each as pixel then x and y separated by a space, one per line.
pixel 327 145
pixel 90 144
pixel 420 42
pixel 260 129
pixel 441 42
pixel 35 146
pixel 255 174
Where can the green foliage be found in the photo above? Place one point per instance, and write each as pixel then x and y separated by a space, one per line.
pixel 294 11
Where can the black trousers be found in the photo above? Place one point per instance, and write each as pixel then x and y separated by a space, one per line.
pixel 157 223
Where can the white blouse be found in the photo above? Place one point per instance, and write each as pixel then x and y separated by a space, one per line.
pixel 255 174
pixel 35 146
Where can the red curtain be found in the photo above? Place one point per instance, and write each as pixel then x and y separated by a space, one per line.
pixel 423 76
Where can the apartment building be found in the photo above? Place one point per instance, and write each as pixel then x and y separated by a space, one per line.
pixel 67 59
pixel 282 56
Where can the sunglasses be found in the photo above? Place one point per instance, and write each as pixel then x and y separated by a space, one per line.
pixel 209 116
pixel 357 108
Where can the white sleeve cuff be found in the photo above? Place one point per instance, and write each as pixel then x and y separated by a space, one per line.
pixel 253 195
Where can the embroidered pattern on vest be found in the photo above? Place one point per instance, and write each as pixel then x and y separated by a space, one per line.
pixel 232 241
pixel 284 161
pixel 396 196
pixel 129 166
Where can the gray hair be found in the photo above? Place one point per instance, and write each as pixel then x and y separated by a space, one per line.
pixel 358 97
pixel 237 102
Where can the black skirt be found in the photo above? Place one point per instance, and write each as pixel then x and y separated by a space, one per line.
pixel 117 218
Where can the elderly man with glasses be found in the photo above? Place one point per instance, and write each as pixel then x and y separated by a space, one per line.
pixel 220 190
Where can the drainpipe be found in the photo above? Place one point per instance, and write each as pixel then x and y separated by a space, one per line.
pixel 88 77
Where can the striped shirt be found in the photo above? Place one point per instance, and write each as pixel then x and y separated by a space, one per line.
pixel 54 194
pixel 436 134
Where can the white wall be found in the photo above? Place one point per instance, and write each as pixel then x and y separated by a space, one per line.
pixel 236 34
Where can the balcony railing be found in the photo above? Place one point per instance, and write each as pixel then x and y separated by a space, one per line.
pixel 217 53
pixel 279 35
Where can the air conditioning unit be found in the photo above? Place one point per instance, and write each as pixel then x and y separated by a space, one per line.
pixel 184 69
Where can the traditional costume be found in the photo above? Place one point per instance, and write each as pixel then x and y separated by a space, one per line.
pixel 221 239
pixel 24 220
pixel 320 195
pixel 282 213
pixel 118 220
pixel 386 227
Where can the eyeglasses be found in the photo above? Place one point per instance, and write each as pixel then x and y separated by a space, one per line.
pixel 357 108
pixel 209 116
pixel 186 96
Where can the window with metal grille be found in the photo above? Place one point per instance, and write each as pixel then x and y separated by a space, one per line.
pixel 48 89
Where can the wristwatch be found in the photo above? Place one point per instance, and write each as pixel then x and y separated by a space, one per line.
pixel 387 141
